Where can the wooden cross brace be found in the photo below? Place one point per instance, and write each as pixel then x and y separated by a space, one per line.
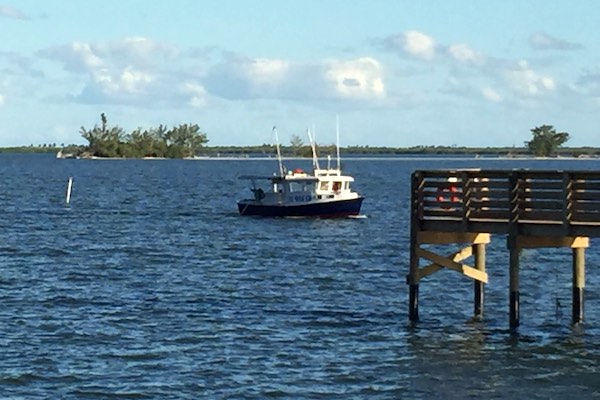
pixel 451 262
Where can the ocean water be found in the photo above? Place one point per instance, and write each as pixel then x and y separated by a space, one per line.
pixel 150 286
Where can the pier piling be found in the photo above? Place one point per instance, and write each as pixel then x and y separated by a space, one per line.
pixel 578 283
pixel 513 293
pixel 478 287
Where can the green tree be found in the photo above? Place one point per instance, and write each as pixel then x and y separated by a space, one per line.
pixel 143 143
pixel 184 141
pixel 298 147
pixel 105 142
pixel 546 141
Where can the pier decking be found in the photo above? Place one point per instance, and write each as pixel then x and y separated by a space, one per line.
pixel 533 208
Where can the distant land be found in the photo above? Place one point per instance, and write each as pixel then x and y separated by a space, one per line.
pixel 305 151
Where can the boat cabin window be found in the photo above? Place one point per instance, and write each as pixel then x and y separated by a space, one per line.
pixel 336 186
pixel 323 185
pixel 300 186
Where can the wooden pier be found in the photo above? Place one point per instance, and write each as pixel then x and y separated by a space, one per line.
pixel 534 209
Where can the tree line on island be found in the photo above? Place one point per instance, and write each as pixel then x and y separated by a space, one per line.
pixel 182 141
pixel 187 140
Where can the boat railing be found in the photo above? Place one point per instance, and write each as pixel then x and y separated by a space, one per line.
pixel 327 172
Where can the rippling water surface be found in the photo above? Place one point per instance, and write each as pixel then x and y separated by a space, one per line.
pixel 149 285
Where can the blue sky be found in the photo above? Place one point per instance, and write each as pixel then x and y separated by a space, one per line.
pixel 397 73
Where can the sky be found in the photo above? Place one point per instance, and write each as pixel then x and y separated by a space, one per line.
pixel 396 73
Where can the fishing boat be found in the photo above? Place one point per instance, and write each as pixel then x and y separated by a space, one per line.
pixel 324 193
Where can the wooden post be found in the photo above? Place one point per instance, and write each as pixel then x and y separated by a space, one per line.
pixel 578 283
pixel 413 301
pixel 479 254
pixel 514 287
pixel 514 250
pixel 413 275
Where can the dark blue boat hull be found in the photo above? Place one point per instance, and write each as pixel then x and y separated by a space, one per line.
pixel 332 209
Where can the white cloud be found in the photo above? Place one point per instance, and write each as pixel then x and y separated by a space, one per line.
pixel 491 95
pixel 133 81
pixel 197 94
pixel 419 45
pixel 1 99
pixel 126 82
pixel 543 41
pixel 84 56
pixel 243 78
pixel 266 71
pixel 11 12
pixel 464 54
pixel 133 70
pixel 411 43
pixel 139 52
pixel 461 70
pixel 525 81
pixel 360 78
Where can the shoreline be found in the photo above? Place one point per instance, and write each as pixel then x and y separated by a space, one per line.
pixel 350 158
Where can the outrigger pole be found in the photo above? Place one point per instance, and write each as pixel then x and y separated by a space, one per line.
pixel 337 140
pixel 278 152
pixel 312 140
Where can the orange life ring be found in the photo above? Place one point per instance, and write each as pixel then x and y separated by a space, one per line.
pixel 445 194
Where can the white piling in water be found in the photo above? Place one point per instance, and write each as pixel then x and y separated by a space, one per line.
pixel 69 186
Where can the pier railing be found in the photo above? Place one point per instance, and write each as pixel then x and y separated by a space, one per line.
pixel 552 203
pixel 535 209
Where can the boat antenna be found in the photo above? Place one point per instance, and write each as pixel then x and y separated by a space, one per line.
pixel 311 138
pixel 337 141
pixel 278 152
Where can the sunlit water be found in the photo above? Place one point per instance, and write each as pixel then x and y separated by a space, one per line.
pixel 149 285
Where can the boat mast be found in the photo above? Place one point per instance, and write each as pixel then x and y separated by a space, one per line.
pixel 337 141
pixel 312 140
pixel 278 152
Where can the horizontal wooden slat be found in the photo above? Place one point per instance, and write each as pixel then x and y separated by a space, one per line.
pixel 490 203
pixel 534 242
pixel 586 185
pixel 434 194
pixel 541 215
pixel 585 196
pixel 543 185
pixel 442 212
pixel 490 214
pixel 585 175
pixel 491 194
pixel 543 195
pixel 539 174
pixel 489 184
pixel 585 217
pixel 586 206
pixel 437 205
pixel 541 204
pixel 425 237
